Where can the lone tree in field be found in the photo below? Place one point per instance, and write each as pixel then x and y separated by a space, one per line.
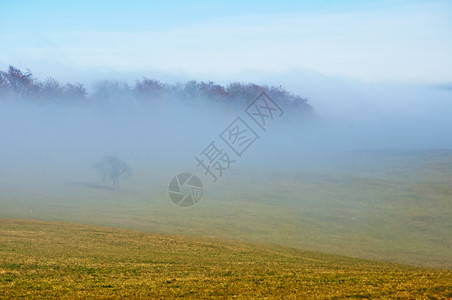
pixel 111 168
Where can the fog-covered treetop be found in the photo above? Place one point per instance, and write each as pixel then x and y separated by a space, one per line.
pixel 18 84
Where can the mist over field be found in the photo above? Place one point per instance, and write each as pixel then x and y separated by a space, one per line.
pixel 377 154
pixel 166 134
pixel 226 149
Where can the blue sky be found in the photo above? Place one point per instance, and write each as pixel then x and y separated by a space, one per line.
pixel 407 41
pixel 57 16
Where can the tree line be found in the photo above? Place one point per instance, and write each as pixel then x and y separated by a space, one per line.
pixel 18 84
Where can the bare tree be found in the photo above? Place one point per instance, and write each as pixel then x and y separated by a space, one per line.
pixel 111 168
pixel 19 82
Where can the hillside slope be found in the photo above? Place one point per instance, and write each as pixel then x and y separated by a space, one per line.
pixel 71 260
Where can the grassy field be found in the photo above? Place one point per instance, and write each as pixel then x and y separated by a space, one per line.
pixel 389 206
pixel 56 260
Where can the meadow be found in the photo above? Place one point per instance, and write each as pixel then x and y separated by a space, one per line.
pixel 392 206
pixel 64 260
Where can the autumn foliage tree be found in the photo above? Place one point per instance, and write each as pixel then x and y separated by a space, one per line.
pixel 18 84
pixel 22 85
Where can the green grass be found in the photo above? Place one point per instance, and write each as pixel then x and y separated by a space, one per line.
pixel 63 260
pixel 388 206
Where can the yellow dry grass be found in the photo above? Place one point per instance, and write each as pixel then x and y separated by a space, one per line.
pixel 63 260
